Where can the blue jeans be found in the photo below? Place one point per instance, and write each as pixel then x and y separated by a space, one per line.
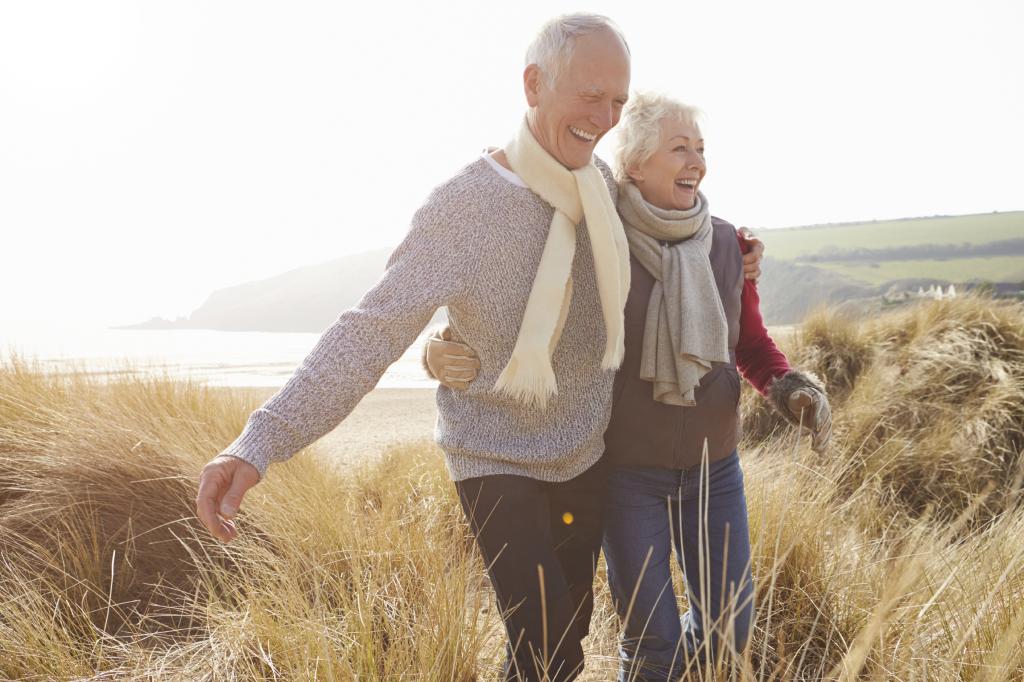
pixel 648 511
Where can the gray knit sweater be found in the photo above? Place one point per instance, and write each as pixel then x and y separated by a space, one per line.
pixel 474 246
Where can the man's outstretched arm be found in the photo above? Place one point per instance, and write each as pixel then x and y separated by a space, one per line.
pixel 345 364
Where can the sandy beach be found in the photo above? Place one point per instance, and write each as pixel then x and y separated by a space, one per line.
pixel 384 417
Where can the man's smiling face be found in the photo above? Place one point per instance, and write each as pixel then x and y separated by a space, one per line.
pixel 570 116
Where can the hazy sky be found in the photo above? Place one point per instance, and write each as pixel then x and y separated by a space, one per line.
pixel 151 152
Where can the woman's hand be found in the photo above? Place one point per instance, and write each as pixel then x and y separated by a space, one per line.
pixel 800 397
pixel 223 483
pixel 452 363
pixel 811 409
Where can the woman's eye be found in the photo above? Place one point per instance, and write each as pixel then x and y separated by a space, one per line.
pixel 680 148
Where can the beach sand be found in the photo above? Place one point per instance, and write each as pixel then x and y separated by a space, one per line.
pixel 384 417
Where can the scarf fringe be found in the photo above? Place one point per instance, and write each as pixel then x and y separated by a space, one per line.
pixel 531 382
pixel 613 354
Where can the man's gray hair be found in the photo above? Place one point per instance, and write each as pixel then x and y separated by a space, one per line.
pixel 553 46
pixel 640 127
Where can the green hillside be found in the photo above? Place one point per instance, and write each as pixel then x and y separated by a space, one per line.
pixel 994 269
pixel 860 263
pixel 790 243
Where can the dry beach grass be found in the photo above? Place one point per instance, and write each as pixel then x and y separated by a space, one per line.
pixel 898 556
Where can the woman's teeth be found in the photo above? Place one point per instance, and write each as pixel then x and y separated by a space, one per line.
pixel 687 184
pixel 585 136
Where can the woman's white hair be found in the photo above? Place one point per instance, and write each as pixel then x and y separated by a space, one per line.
pixel 553 46
pixel 640 127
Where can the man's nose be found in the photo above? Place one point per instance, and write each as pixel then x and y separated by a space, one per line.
pixel 603 117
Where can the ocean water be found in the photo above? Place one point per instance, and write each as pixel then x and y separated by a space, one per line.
pixel 215 358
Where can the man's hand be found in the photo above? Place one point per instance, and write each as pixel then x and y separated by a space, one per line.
pixel 752 259
pixel 223 483
pixel 452 363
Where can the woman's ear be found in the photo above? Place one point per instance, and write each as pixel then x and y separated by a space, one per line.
pixel 634 173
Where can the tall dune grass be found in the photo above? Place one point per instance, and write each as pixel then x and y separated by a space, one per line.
pixel 897 556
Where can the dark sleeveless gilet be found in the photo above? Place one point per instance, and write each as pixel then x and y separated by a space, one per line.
pixel 645 433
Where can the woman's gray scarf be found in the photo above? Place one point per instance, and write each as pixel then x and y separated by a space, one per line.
pixel 686 329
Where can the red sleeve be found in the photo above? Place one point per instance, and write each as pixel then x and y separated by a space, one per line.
pixel 758 359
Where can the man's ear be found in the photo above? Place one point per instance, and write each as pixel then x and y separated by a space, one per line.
pixel 532 84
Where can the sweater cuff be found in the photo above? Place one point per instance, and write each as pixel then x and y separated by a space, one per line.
pixel 264 440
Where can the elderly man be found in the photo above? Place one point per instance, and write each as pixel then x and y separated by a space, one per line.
pixel 525 249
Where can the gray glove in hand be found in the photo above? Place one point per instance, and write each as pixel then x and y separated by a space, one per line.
pixel 452 363
pixel 800 398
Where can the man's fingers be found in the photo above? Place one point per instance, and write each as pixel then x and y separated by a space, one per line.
pixel 222 484
pixel 206 507
pixel 241 481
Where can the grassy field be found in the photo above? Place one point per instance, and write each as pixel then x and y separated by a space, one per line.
pixel 994 269
pixel 897 556
pixel 789 243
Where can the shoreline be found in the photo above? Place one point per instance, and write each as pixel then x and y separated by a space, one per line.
pixel 383 418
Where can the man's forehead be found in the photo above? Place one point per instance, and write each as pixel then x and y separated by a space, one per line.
pixel 592 68
pixel 601 90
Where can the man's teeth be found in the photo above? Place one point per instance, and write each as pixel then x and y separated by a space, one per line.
pixel 580 133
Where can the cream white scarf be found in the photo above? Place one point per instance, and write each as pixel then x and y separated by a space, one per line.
pixel 577 194
pixel 685 330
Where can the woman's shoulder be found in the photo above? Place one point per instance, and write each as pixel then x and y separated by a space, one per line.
pixel 725 230
pixel 723 224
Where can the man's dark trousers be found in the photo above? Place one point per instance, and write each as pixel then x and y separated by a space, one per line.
pixel 527 529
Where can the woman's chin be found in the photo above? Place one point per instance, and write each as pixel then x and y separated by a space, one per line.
pixel 685 202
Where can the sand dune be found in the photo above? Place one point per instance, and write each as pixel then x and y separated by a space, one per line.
pixel 386 416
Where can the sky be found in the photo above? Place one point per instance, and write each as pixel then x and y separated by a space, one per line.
pixel 151 152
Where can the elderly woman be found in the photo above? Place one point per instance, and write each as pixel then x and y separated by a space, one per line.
pixel 692 326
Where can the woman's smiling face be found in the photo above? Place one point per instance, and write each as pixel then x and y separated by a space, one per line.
pixel 670 177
